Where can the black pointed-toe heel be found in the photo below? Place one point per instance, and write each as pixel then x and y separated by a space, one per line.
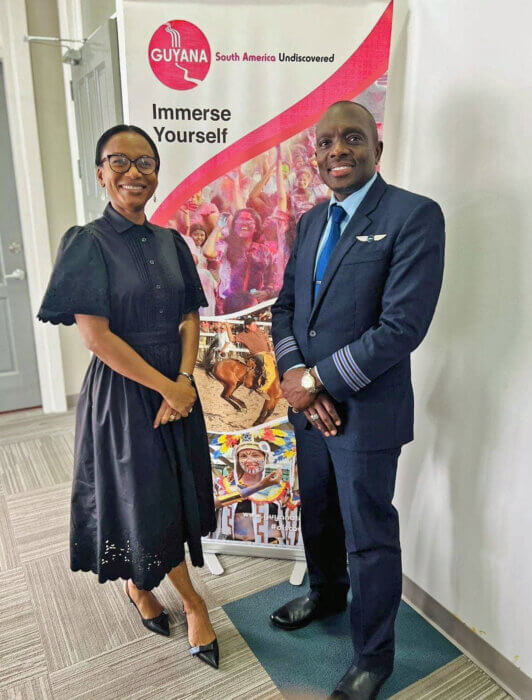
pixel 159 624
pixel 208 653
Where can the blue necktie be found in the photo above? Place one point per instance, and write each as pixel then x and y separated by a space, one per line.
pixel 337 214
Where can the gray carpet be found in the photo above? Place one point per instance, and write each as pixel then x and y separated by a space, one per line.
pixel 64 636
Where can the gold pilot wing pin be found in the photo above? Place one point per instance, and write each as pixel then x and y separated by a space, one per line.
pixel 371 238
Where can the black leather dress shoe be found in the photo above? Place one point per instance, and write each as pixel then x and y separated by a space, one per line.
pixel 301 611
pixel 358 684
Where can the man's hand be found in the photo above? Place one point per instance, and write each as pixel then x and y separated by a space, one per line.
pixel 293 392
pixel 328 419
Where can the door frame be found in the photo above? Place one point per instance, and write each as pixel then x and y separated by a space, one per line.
pixel 15 57
pixel 71 26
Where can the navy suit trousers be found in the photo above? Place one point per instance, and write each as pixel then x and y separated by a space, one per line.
pixel 347 512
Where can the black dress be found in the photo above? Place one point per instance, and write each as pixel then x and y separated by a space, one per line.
pixel 138 493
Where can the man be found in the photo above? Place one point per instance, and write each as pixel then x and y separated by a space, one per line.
pixel 259 346
pixel 219 347
pixel 358 296
pixel 253 338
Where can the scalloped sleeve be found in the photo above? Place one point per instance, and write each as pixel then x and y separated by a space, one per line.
pixel 79 282
pixel 194 294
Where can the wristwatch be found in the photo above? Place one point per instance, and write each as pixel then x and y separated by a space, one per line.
pixel 308 382
pixel 188 376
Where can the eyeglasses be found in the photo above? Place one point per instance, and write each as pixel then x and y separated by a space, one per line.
pixel 120 163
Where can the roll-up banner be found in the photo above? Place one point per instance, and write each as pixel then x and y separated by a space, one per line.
pixel 231 92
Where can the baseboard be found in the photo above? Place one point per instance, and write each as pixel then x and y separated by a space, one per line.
pixel 72 400
pixel 504 672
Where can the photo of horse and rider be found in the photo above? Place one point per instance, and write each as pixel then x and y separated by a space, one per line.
pixel 237 375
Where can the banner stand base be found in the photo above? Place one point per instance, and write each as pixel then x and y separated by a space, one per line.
pixel 298 573
pixel 213 564
pixel 212 548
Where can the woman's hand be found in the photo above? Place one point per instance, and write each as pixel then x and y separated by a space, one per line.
pixel 163 414
pixel 179 398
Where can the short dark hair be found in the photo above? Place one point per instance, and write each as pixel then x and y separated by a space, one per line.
pixel 373 123
pixel 248 321
pixel 118 129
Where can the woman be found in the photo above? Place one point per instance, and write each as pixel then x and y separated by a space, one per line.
pixel 142 484
pixel 198 234
pixel 207 267
pixel 246 257
pixel 303 197
pixel 195 211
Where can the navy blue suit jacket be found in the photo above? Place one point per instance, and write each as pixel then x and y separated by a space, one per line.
pixel 377 300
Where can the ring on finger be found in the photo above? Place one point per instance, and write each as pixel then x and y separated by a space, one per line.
pixel 314 416
pixel 172 416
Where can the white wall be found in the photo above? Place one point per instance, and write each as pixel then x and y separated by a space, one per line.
pixel 458 123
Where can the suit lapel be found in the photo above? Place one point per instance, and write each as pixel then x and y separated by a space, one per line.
pixel 359 222
pixel 310 248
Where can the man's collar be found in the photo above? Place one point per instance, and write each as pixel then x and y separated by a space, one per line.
pixel 353 201
pixel 119 222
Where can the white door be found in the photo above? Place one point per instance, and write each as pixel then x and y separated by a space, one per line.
pixel 19 381
pixel 98 105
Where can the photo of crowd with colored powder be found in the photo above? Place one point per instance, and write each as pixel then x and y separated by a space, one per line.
pixel 256 487
pixel 241 228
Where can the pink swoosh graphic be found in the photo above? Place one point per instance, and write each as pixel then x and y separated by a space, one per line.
pixel 360 70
